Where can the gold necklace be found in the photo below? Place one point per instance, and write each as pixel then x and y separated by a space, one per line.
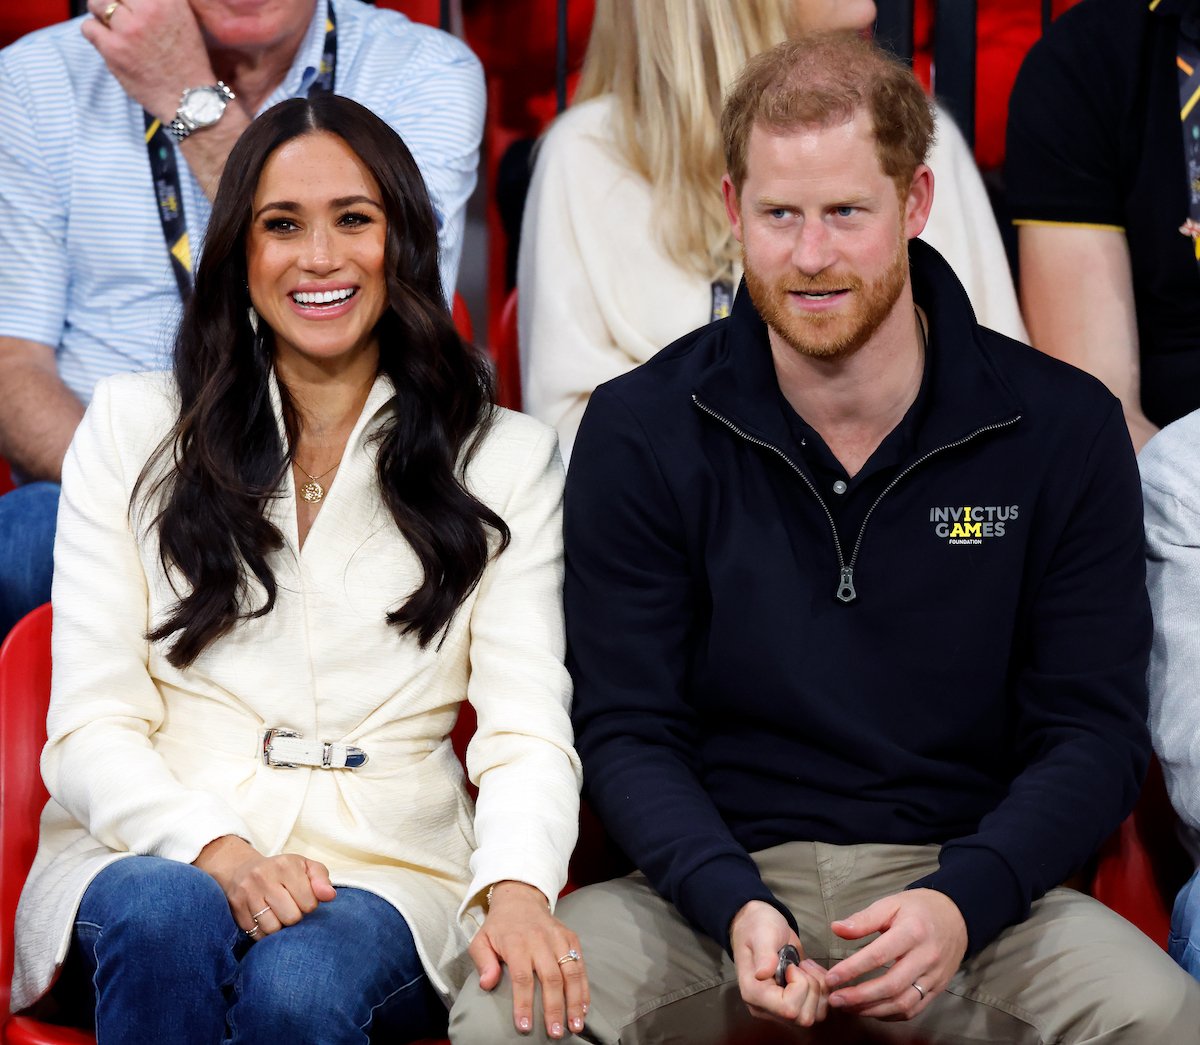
pixel 312 491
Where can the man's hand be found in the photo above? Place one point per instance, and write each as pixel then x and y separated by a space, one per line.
pixel 520 932
pixel 756 934
pixel 269 892
pixel 922 936
pixel 154 48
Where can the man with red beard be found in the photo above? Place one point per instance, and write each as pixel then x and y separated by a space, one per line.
pixel 857 620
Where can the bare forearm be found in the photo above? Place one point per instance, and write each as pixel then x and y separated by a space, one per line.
pixel 1077 297
pixel 207 150
pixel 38 413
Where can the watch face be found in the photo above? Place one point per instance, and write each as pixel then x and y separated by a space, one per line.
pixel 203 105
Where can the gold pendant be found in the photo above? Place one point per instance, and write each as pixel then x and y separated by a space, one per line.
pixel 312 491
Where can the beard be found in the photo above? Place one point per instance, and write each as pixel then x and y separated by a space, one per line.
pixel 828 335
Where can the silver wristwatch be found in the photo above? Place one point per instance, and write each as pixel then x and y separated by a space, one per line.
pixel 200 107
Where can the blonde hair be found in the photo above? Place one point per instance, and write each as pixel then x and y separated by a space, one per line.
pixel 667 64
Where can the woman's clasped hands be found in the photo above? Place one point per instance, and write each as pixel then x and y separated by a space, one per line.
pixel 265 893
pixel 521 933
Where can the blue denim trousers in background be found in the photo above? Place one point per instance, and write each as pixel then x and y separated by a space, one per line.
pixel 156 940
pixel 28 516
pixel 1184 942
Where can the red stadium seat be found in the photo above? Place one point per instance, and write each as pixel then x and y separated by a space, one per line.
pixel 506 355
pixel 462 318
pixel 427 11
pixel 1143 865
pixel 24 695
pixel 17 19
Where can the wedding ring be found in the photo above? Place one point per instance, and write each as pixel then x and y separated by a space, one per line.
pixel 920 990
pixel 571 956
pixel 252 933
pixel 109 11
pixel 256 917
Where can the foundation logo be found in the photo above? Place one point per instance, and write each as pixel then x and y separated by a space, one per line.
pixel 971 524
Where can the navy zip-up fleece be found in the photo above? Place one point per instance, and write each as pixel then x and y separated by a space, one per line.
pixel 985 687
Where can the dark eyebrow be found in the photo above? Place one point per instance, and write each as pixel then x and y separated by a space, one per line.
pixel 337 204
pixel 350 201
pixel 277 205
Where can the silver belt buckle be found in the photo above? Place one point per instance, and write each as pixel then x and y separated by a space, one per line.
pixel 268 737
pixel 308 756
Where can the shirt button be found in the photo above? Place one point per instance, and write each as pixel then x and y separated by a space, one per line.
pixel 839 487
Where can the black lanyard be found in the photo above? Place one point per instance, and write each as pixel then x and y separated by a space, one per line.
pixel 168 189
pixel 1187 62
pixel 722 298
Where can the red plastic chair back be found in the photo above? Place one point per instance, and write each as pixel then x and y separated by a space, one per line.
pixel 24 696
pixel 1143 865
pixel 507 356
pixel 17 19
pixel 427 11
pixel 462 318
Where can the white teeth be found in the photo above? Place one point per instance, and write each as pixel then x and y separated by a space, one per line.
pixel 322 297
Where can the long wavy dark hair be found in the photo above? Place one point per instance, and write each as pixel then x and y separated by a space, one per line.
pixel 224 461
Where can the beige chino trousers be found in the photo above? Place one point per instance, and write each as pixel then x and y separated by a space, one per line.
pixel 1072 972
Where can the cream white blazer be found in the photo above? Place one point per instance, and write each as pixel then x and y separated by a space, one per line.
pixel 143 758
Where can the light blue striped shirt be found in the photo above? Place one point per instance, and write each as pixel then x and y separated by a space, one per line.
pixel 83 261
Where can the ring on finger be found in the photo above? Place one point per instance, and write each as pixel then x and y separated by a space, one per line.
pixel 109 11
pixel 920 990
pixel 252 933
pixel 256 917
pixel 571 956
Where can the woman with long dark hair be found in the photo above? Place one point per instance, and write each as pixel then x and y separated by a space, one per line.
pixel 278 575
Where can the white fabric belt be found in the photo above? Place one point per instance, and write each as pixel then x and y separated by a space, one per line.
pixel 287 749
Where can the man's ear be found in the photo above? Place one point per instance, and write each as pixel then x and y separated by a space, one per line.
pixel 918 202
pixel 732 206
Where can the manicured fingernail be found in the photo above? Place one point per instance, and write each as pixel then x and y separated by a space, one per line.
pixel 576 1023
pixel 556 1030
pixel 585 1008
pixel 523 1024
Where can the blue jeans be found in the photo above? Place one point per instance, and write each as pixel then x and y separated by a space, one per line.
pixel 1184 941
pixel 28 516
pixel 157 942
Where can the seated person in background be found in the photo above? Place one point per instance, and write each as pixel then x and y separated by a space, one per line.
pixel 625 245
pixel 305 550
pixel 1107 203
pixel 857 620
pixel 113 132
pixel 1170 467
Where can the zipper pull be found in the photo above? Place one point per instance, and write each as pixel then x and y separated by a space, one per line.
pixel 846 592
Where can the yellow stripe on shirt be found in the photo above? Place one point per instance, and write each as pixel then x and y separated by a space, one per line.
pixel 1069 224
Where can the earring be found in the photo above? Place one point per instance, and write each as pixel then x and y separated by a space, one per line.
pixel 252 315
